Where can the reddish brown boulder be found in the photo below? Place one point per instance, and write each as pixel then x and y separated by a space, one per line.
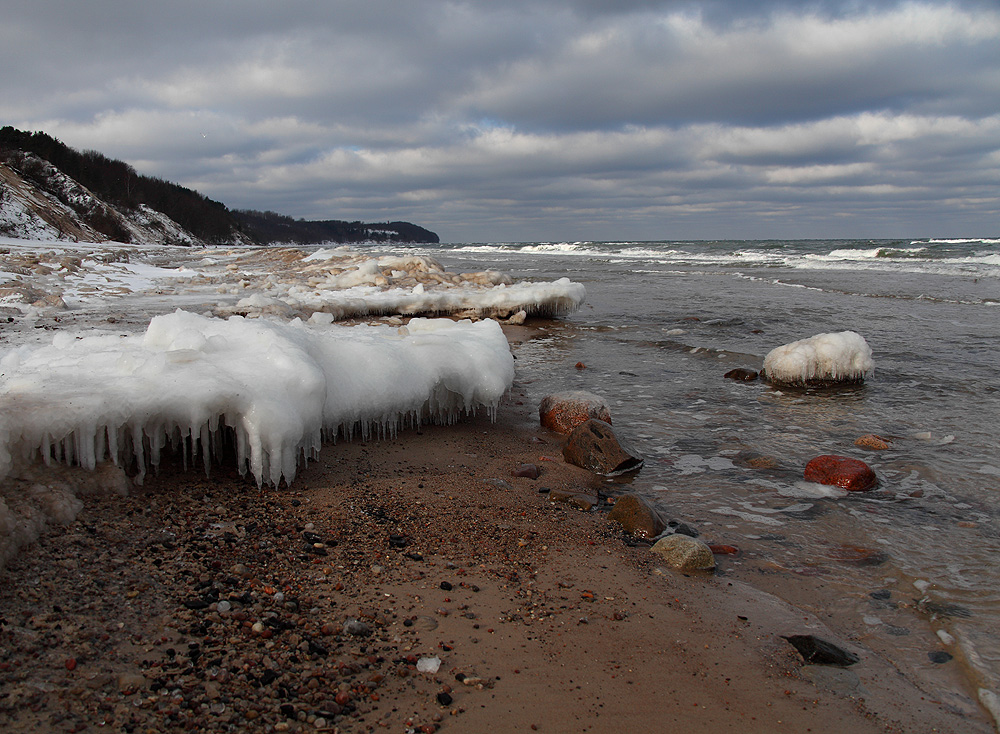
pixel 841 471
pixel 594 446
pixel 564 411
pixel 637 516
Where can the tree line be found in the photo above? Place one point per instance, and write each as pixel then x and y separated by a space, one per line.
pixel 120 185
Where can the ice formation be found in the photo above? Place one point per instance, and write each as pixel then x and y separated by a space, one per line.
pixel 278 387
pixel 37 278
pixel 825 358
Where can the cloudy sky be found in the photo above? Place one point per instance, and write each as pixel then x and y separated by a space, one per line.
pixel 537 119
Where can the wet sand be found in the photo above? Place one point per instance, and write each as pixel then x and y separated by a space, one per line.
pixel 384 558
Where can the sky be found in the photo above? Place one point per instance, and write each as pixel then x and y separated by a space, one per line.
pixel 543 120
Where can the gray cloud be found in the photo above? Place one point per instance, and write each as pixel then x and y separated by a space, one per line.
pixel 537 120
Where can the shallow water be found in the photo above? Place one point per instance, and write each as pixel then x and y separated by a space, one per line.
pixel 664 321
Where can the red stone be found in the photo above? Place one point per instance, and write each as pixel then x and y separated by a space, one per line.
pixel 562 412
pixel 720 549
pixel 70 663
pixel 841 471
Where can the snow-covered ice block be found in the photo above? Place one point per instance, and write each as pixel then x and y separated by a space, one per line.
pixel 822 359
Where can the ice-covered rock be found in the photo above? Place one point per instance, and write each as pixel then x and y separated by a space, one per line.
pixel 275 389
pixel 824 359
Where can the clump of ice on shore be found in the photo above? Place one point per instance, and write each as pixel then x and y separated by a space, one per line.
pixel 835 357
pixel 275 389
pixel 32 499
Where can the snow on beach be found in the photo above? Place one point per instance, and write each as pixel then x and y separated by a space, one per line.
pixel 97 363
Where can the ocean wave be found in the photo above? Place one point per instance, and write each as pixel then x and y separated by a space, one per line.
pixel 973 241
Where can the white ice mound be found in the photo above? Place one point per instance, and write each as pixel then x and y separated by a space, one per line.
pixel 836 357
pixel 279 387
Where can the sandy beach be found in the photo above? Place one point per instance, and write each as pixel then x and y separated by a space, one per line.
pixel 408 584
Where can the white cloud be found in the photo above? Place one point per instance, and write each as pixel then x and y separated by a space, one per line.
pixel 530 118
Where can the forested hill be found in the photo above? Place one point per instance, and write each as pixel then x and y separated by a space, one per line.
pixel 51 191
pixel 272 227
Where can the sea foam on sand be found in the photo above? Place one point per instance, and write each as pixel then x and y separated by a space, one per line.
pixel 835 357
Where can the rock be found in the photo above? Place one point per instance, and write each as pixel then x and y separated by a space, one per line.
pixel 818 651
pixel 637 516
pixel 594 446
pixel 841 471
pixel 741 373
pixel 356 628
pixel 720 549
pixel 580 500
pixel 684 553
pixel 131 682
pixel 564 411
pixel 531 471
pixel 873 442
pixel 822 360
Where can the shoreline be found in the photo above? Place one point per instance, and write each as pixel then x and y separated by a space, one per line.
pixel 543 617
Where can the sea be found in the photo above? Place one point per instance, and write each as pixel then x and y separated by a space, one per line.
pixel 910 570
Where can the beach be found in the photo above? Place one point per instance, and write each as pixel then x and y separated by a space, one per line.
pixel 408 584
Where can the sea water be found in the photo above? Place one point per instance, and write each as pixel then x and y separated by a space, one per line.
pixel 909 570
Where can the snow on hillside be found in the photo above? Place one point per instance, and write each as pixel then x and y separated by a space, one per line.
pixel 62 211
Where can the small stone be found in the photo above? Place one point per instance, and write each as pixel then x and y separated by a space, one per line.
pixel 684 553
pixel 721 549
pixel 841 471
pixel 531 471
pixel 939 656
pixel 444 699
pixel 818 651
pixel 131 682
pixel 741 373
pixel 224 606
pixel 357 628
pixel 871 441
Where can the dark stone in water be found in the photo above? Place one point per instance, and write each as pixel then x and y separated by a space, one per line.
pixel 939 656
pixel 740 373
pixel 818 651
